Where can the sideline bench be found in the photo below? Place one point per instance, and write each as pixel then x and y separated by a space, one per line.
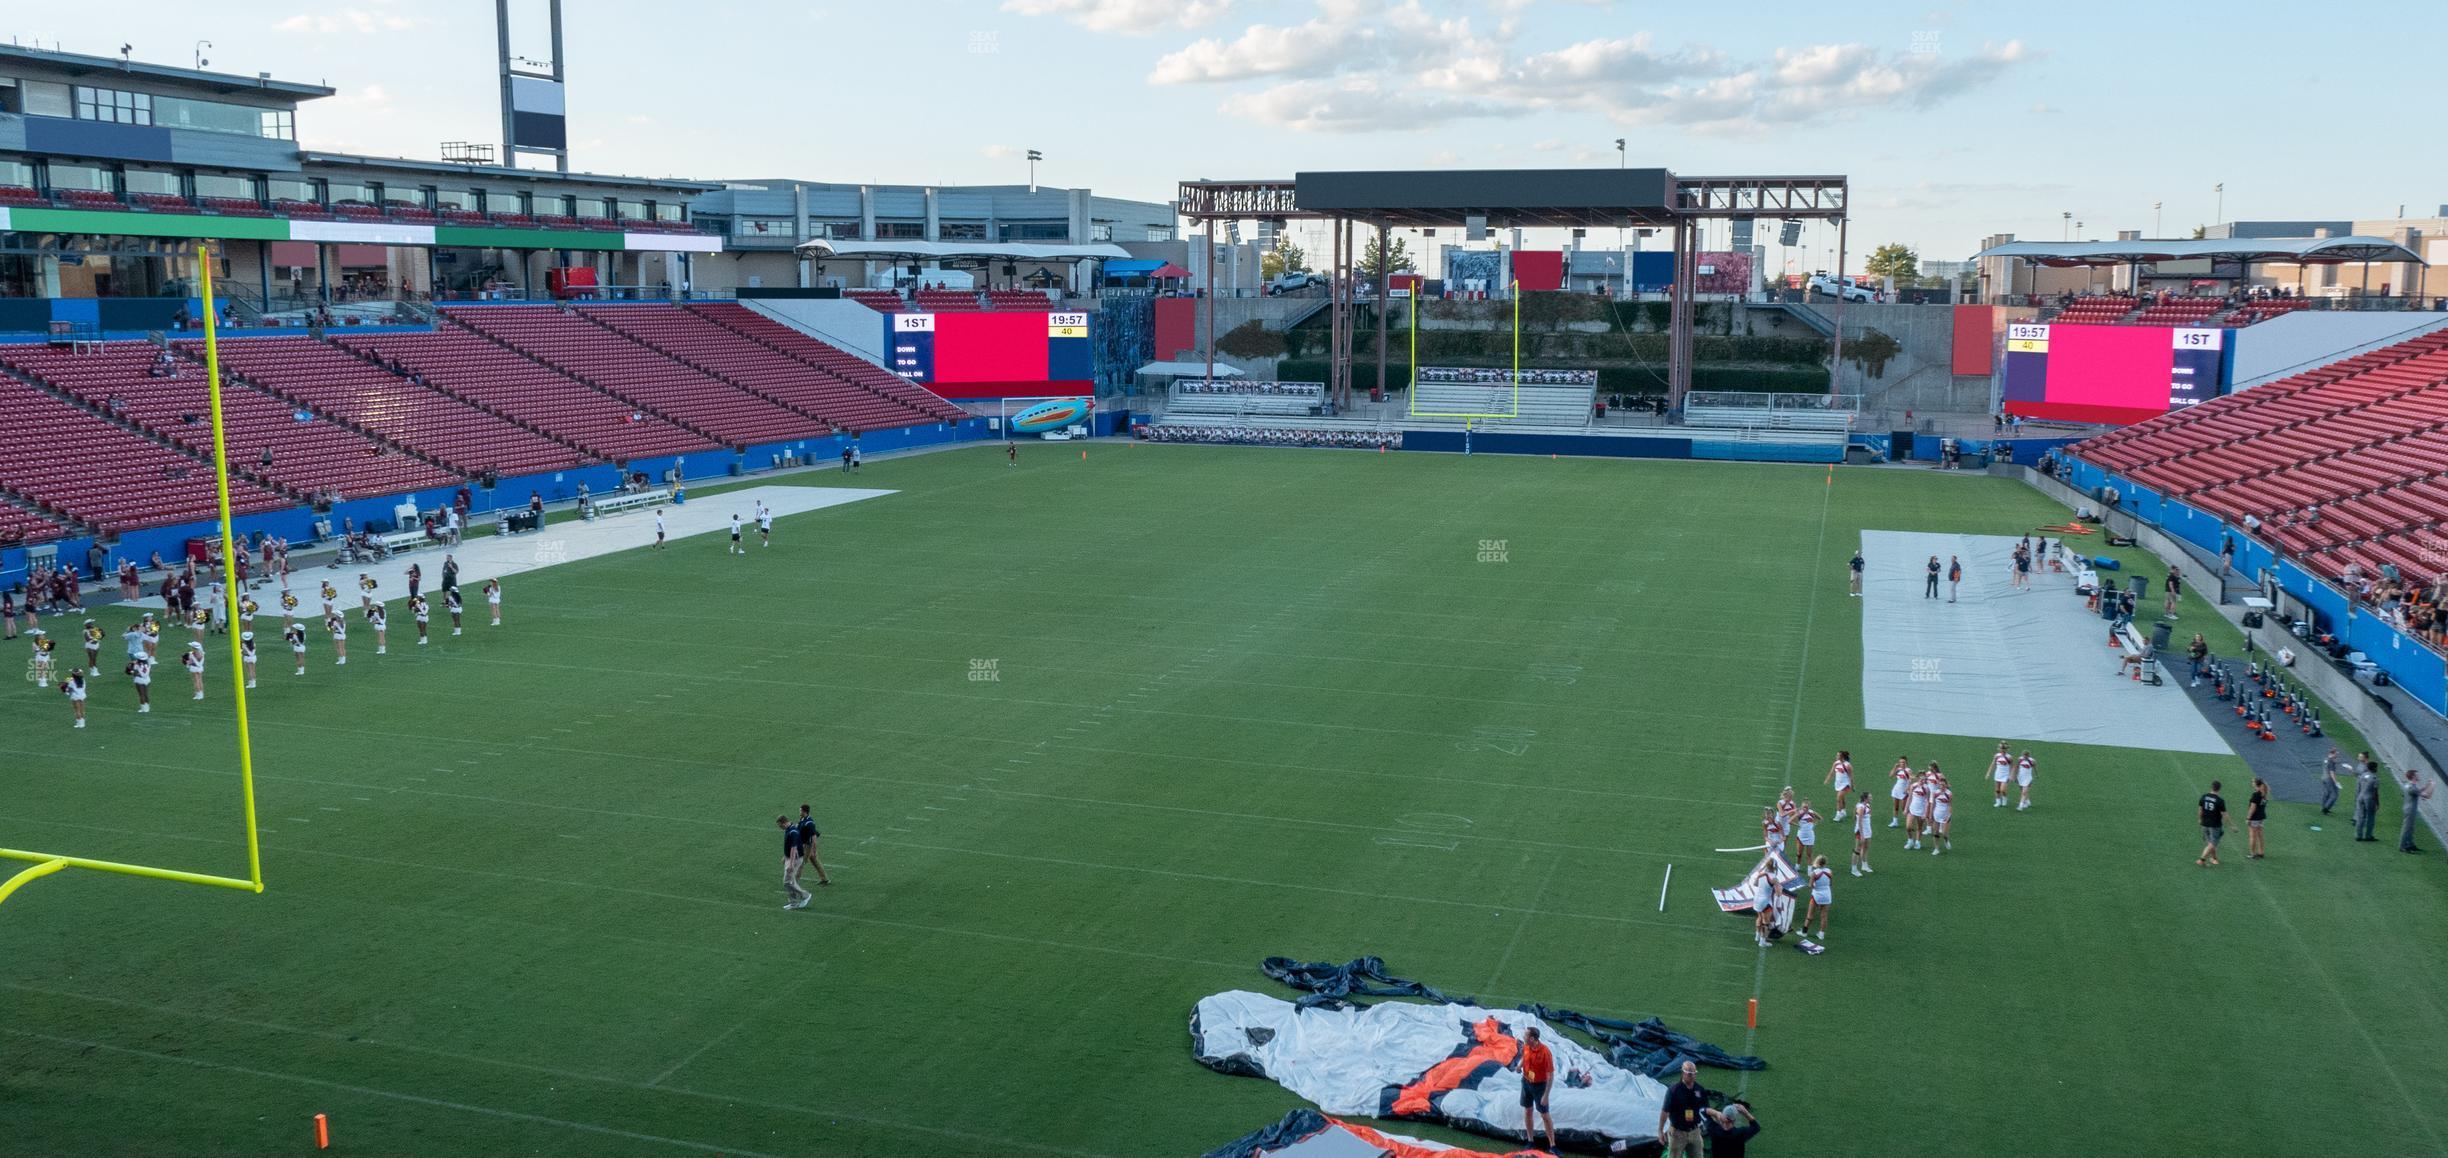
pixel 398 541
pixel 617 503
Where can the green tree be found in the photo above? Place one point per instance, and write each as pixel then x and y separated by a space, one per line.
pixel 1376 262
pixel 1894 259
pixel 2201 232
pixel 1284 258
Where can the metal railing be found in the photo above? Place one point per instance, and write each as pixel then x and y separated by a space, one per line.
pixel 1754 400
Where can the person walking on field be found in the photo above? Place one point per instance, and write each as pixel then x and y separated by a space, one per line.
pixel 2329 780
pixel 1536 1065
pixel 2415 793
pixel 2367 797
pixel 2256 810
pixel 793 897
pixel 2213 824
pixel 1863 824
pixel 1855 570
pixel 1679 1119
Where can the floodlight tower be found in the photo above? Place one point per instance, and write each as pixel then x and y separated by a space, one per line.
pixel 534 112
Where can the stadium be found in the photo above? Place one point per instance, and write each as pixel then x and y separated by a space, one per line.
pixel 1397 655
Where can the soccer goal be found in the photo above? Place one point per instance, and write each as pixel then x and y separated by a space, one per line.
pixel 43 864
pixel 1470 395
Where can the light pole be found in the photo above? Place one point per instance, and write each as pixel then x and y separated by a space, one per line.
pixel 2068 218
pixel 2218 214
pixel 2155 231
pixel 1624 285
pixel 1033 157
pixel 201 45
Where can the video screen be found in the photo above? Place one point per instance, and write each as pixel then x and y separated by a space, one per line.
pixel 2109 374
pixel 992 353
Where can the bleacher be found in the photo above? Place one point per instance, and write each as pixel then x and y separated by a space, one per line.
pixel 943 301
pixel 879 300
pixel 1755 411
pixel 95 471
pixel 568 342
pixel 464 364
pixel 2180 312
pixel 1548 398
pixel 337 381
pixel 2338 466
pixel 2263 309
pixel 18 525
pixel 708 346
pixel 307 457
pixel 1240 397
pixel 2095 310
pixel 21 196
pixel 1019 299
pixel 825 356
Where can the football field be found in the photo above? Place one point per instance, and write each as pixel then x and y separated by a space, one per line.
pixel 1090 737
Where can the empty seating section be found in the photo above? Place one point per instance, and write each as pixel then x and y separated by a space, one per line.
pixel 87 199
pixel 2267 308
pixel 160 202
pixel 825 356
pixel 2093 310
pixel 693 398
pixel 880 300
pixel 944 301
pixel 2180 312
pixel 702 343
pixel 233 207
pixel 1020 299
pixel 340 383
pixel 98 472
pixel 2340 465
pixel 126 378
pixel 18 525
pixel 20 195
pixel 467 365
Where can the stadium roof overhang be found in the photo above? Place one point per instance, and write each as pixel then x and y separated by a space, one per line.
pixel 2250 250
pixel 1514 198
pixel 960 251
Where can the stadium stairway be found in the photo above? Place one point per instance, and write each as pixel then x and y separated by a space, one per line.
pixel 710 348
pixel 811 351
pixel 613 364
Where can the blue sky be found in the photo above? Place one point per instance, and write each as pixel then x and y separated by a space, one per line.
pixel 1953 121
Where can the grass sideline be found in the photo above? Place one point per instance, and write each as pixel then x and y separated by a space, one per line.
pixel 1240 702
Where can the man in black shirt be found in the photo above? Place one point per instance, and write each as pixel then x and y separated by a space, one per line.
pixel 1730 1131
pixel 2213 824
pixel 1857 566
pixel 1681 1120
pixel 793 896
pixel 1930 591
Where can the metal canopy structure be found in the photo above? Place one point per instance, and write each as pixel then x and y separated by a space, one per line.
pixel 1512 199
pixel 2248 250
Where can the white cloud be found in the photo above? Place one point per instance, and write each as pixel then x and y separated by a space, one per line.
pixel 1365 65
pixel 1127 17
pixel 363 21
pixel 1000 152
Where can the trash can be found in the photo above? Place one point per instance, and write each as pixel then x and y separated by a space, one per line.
pixel 2161 633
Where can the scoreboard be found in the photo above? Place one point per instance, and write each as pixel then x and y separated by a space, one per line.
pixel 2114 374
pixel 993 353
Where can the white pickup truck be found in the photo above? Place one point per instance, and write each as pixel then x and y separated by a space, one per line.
pixel 1851 291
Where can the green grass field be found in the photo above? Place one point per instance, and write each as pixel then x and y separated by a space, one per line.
pixel 523 892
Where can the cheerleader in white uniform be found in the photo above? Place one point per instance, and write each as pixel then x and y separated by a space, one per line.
pixel 1806 831
pixel 1863 824
pixel 246 656
pixel 2023 775
pixel 2001 770
pixel 72 686
pixel 1840 774
pixel 1916 809
pixel 296 635
pixel 140 672
pixel 382 628
pixel 493 599
pixel 1942 815
pixel 1822 896
pixel 1902 773
pixel 193 660
pixel 338 627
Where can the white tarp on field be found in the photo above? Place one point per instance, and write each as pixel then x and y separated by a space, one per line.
pixel 1438 1063
pixel 2006 662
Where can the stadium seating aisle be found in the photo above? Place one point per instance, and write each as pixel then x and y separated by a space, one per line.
pixel 338 382
pixel 464 364
pixel 841 363
pixel 700 342
pixel 307 457
pixel 2340 466
pixel 564 340
pixel 97 472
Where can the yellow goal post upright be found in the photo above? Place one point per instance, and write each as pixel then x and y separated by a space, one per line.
pixel 43 863
pixel 1411 400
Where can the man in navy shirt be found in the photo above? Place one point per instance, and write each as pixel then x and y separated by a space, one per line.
pixel 1730 1130
pixel 1682 1120
pixel 793 896
pixel 1857 566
